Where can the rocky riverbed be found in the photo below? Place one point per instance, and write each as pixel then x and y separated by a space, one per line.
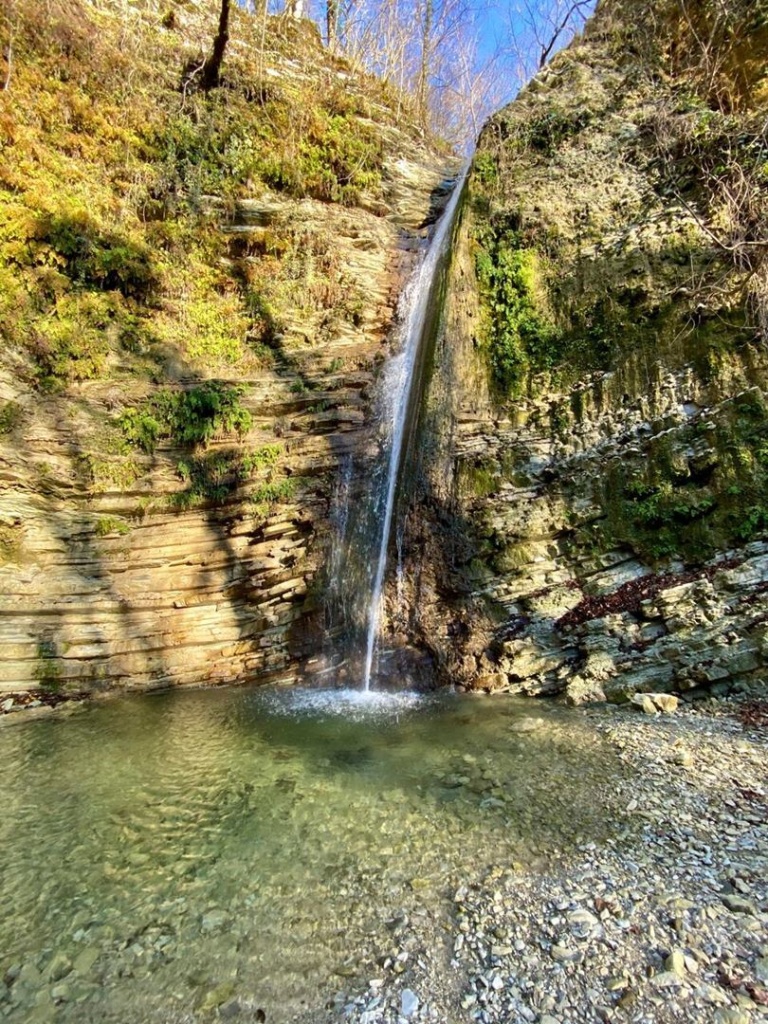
pixel 664 922
pixel 304 856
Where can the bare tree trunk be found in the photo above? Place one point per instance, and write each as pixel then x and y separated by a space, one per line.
pixel 9 49
pixel 332 22
pixel 425 61
pixel 211 76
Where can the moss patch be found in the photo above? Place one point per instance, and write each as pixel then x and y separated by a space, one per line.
pixel 697 490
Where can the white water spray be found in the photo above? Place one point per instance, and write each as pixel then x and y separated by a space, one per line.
pixel 398 382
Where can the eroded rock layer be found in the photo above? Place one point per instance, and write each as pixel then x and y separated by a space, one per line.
pixel 172 419
pixel 593 490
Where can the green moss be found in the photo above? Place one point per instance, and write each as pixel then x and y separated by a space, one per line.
pixel 47 669
pixel 114 184
pixel 485 169
pixel 478 479
pixel 272 493
pixel 695 491
pixel 520 338
pixel 104 472
pixel 215 476
pixel 548 131
pixel 10 541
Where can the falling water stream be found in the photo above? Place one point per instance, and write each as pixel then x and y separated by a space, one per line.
pixel 403 382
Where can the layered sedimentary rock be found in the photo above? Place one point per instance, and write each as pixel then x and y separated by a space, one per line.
pixel 133 552
pixel 592 484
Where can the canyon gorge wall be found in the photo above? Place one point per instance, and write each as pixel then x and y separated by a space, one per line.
pixel 592 480
pixel 196 294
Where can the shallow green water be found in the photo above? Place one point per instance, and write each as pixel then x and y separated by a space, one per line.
pixel 160 855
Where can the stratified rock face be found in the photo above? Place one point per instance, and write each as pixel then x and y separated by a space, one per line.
pixel 133 553
pixel 594 488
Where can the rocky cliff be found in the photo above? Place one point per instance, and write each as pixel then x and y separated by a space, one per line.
pixel 195 293
pixel 593 480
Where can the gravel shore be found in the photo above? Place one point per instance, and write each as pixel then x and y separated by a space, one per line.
pixel 667 921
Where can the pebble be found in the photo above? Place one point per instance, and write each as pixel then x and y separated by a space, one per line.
pixel 524 725
pixel 59 967
pixel 666 979
pixel 85 960
pixel 217 996
pixel 563 954
pixel 738 905
pixel 732 1017
pixel 675 962
pixel 631 923
pixel 409 1003
pixel 643 913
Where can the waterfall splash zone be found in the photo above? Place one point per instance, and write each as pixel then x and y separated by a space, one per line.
pixel 354 705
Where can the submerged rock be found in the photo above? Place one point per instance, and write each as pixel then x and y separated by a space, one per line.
pixel 409 1003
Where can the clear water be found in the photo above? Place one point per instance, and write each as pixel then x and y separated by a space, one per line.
pixel 180 850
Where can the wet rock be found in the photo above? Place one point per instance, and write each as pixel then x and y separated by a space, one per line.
pixel 213 920
pixel 61 993
pixel 217 996
pixel 230 1010
pixel 524 725
pixel 59 967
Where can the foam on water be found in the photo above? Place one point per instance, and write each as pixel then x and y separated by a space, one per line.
pixel 340 703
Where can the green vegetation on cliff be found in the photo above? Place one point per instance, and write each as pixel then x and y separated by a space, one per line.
pixel 115 178
pixel 619 212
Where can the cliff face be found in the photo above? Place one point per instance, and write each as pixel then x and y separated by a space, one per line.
pixel 195 291
pixel 594 478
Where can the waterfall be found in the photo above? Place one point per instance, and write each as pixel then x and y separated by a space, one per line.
pixel 402 383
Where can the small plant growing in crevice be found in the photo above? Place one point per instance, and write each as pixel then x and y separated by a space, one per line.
pixel 47 668
pixel 106 525
pixel 272 493
pixel 212 477
pixel 11 415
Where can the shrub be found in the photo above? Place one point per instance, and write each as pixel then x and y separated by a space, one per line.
pixel 187 418
pixel 111 524
pixel 11 415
